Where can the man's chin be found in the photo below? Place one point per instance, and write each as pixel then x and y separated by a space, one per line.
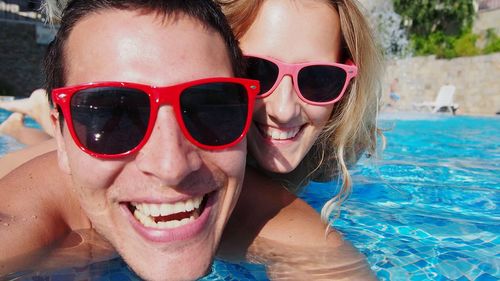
pixel 182 253
pixel 188 265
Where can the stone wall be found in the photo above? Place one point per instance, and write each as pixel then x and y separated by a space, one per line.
pixel 477 82
pixel 486 20
pixel 20 58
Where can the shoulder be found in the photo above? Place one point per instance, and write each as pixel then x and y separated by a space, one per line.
pixel 31 181
pixel 266 210
pixel 37 206
pixel 15 159
pixel 291 219
pixel 272 226
pixel 296 223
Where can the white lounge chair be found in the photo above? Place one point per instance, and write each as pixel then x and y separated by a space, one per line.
pixel 443 103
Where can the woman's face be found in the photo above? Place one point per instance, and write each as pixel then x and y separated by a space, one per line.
pixel 285 127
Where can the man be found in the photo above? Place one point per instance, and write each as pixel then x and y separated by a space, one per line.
pixel 163 193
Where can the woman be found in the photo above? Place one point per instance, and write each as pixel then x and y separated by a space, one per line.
pixel 293 139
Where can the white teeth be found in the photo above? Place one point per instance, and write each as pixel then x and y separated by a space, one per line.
pixel 149 222
pixel 166 209
pixel 145 212
pixel 144 208
pixel 283 135
pixel 179 207
pixel 154 210
pixel 189 205
pixel 275 134
pixel 280 134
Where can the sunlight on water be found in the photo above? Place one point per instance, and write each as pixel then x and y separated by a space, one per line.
pixel 429 209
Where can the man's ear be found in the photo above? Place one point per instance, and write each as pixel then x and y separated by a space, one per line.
pixel 62 155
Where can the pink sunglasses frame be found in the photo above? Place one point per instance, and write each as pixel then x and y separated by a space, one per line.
pixel 293 69
pixel 158 96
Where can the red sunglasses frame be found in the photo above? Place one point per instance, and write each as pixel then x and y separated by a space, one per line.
pixel 158 96
pixel 293 69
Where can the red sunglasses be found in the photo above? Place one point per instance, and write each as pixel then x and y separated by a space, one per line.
pixel 316 83
pixel 115 119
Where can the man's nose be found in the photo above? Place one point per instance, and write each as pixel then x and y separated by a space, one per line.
pixel 283 104
pixel 168 155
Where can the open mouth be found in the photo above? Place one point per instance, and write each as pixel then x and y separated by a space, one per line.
pixel 279 134
pixel 168 215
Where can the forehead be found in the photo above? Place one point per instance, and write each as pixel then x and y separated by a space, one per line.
pixel 119 45
pixel 296 30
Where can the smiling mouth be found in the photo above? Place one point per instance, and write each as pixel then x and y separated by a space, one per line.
pixel 279 134
pixel 168 215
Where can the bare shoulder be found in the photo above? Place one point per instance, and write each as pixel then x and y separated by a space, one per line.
pixel 37 207
pixel 267 210
pixel 272 226
pixel 298 224
pixel 294 222
pixel 15 159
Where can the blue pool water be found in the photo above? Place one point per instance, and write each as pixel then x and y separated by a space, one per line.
pixel 427 211
pixel 7 143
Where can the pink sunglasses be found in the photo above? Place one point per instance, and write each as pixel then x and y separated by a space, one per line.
pixel 316 83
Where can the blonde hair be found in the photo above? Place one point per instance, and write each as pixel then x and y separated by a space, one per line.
pixel 352 128
pixel 52 9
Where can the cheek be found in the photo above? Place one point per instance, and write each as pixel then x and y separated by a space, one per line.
pixel 318 115
pixel 88 172
pixel 259 110
pixel 230 161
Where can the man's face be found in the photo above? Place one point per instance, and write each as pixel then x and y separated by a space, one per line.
pixel 169 174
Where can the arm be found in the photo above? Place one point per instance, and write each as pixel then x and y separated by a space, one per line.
pixel 37 209
pixel 272 226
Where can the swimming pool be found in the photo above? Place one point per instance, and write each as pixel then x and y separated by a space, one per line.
pixel 427 211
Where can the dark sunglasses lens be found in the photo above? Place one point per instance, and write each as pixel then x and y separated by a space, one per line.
pixel 321 83
pixel 266 72
pixel 215 114
pixel 110 120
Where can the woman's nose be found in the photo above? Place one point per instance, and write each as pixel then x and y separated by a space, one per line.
pixel 283 104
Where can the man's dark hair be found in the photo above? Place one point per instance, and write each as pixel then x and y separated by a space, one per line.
pixel 205 11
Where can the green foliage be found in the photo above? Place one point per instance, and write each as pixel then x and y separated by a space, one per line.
pixel 424 17
pixel 443 28
pixel 465 45
pixel 436 44
pixel 492 42
pixel 446 46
